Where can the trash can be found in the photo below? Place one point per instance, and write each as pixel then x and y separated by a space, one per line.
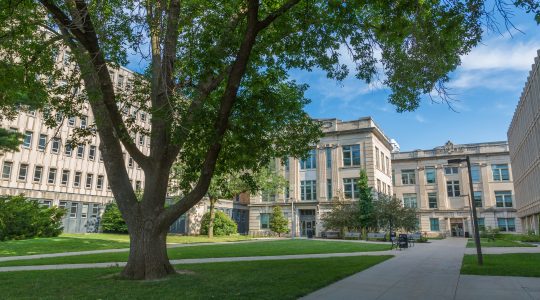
pixel 467 234
pixel 310 234
pixel 403 241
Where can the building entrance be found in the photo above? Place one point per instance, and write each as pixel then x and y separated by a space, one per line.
pixel 456 226
pixel 307 223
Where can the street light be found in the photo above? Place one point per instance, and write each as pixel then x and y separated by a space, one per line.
pixel 473 208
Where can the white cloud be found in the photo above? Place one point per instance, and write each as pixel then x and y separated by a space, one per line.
pixel 420 119
pixel 501 54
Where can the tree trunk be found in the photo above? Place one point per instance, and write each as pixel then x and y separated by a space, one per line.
pixel 212 217
pixel 148 257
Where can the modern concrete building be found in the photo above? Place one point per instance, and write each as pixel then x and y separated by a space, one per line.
pixel 329 173
pixel 524 141
pixel 424 179
pixel 48 169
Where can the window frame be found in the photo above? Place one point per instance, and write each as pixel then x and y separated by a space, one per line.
pixel 352 156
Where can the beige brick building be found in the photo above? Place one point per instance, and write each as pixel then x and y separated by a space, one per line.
pixel 47 169
pixel 424 179
pixel 524 141
pixel 329 173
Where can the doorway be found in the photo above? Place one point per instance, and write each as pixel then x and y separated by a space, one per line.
pixel 456 226
pixel 307 223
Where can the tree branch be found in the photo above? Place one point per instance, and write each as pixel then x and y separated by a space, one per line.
pixel 273 16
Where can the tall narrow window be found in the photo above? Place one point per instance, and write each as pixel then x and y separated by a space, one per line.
pixel 84 211
pixel 23 171
pixel 73 210
pixel 328 152
pixel 310 162
pixel 500 172
pixel 92 152
pixel 27 140
pixel 430 175
pixel 434 224
pixel 89 180
pixel 6 170
pixel 68 149
pixel 329 189
pixel 308 190
pixel 52 176
pixel 351 188
pixel 265 221
pixel 71 121
pixel 42 143
pixel 77 179
pixel 478 199
pixel 475 173
pixel 452 187
pixel 351 155
pixel 65 177
pixel 84 122
pixel 80 151
pixel 55 146
pixel 377 162
pixel 432 200
pixel 409 200
pixel 37 173
pixel 99 184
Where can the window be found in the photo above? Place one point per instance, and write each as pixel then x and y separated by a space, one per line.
pixel 475 173
pixel 451 170
pixel 89 180
pixel 84 122
pixel 143 117
pixel 387 165
pixel 500 172
pixel 58 117
pixel 308 190
pixel 73 210
pixel 379 188
pixel 506 224
pixel 138 185
pixel 68 150
pixel 46 203
pixel 66 59
pixel 382 161
pixel 71 121
pixel 95 211
pixel 452 187
pixel 432 200
pixel 100 156
pixel 99 184
pixel 408 177
pixel 377 161
pixel 310 162
pixel 84 211
pixel 287 191
pixel 77 179
pixel 65 177
pixel 52 175
pixel 351 188
pixel 478 198
pixel 265 221
pixel 434 224
pixel 38 170
pixel 409 200
pixel 141 139
pixel 120 82
pixel 6 170
pixel 27 140
pixel 268 196
pixel 130 162
pixel 430 175
pixel 55 147
pixel 42 143
pixel 62 204
pixel 351 155
pixel 481 224
pixel 503 198
pixel 329 189
pixel 80 151
pixel 92 152
pixel 23 171
pixel 328 152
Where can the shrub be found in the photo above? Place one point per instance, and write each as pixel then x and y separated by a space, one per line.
pixel 530 237
pixel 223 225
pixel 21 218
pixel 112 221
pixel 278 223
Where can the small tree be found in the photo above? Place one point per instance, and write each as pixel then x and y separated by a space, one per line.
pixel 391 215
pixel 222 224
pixel 343 216
pixel 112 220
pixel 278 223
pixel 365 204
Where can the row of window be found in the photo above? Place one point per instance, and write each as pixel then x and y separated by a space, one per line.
pixel 351 158
pixel 308 190
pixel 502 199
pixel 53 173
pixel 504 224
pixel 73 209
pixel 500 172
pixel 382 162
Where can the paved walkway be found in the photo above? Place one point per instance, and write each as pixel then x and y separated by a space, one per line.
pixel 200 260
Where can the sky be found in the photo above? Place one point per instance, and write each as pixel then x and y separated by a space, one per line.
pixel 485 89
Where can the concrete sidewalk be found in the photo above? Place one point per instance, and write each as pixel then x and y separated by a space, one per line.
pixel 201 260
pixel 427 271
pixel 473 287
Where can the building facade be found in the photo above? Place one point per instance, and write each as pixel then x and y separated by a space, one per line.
pixel 524 141
pixel 424 179
pixel 330 172
pixel 47 168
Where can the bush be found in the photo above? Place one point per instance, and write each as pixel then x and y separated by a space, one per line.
pixel 530 237
pixel 490 233
pixel 112 221
pixel 21 218
pixel 223 225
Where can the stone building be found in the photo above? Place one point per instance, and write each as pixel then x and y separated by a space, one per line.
pixel 424 179
pixel 329 173
pixel 524 140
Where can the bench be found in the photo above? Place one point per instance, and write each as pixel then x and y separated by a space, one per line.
pixel 413 237
pixel 330 234
pixel 377 235
pixel 352 235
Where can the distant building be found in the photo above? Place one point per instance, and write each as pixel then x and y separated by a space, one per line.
pixel 329 173
pixel 424 179
pixel 395 145
pixel 524 141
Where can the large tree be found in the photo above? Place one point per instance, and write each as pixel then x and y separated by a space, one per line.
pixel 365 204
pixel 217 87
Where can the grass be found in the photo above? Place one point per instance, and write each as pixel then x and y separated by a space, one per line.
pixel 279 247
pixel 288 279
pixel 484 242
pixel 92 241
pixel 515 264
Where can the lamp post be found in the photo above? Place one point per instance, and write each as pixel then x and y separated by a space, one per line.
pixel 473 208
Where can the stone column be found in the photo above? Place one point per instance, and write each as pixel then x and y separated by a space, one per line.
pixel 442 196
pixel 421 194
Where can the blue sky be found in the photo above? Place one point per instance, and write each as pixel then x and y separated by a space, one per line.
pixel 486 89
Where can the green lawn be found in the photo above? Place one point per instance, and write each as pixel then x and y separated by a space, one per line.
pixel 286 279
pixel 515 264
pixel 497 243
pixel 279 247
pixel 92 241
